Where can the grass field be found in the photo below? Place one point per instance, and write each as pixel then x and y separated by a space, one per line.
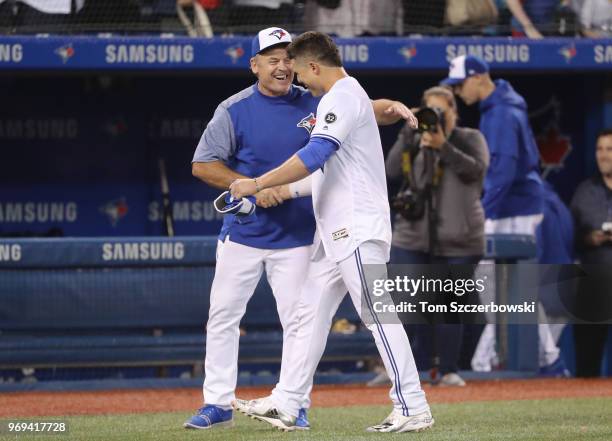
pixel 563 419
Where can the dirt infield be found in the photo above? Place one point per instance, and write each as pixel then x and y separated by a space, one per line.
pixel 29 404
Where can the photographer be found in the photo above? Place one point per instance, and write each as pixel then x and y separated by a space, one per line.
pixel 440 217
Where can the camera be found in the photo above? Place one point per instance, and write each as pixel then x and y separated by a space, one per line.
pixel 409 204
pixel 429 118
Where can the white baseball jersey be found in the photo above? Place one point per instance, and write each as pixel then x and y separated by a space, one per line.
pixel 350 195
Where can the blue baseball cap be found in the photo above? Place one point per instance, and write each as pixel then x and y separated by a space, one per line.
pixel 463 67
pixel 269 37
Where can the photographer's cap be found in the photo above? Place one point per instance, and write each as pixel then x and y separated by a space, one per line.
pixel 463 67
pixel 269 37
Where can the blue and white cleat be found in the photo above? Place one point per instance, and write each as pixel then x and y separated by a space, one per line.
pixel 210 417
pixel 301 422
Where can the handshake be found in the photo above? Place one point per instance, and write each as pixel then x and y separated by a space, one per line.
pixel 269 197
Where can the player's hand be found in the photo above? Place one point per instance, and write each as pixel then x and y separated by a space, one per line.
pixel 269 197
pixel 400 110
pixel 433 140
pixel 243 187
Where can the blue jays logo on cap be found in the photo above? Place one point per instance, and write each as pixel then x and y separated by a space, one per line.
pixel 278 33
pixel 269 37
pixel 463 67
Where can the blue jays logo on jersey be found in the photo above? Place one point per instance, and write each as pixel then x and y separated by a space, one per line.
pixel 308 122
pixel 278 33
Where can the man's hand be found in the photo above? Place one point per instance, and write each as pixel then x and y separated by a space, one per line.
pixel 243 187
pixel 401 111
pixel 269 197
pixel 433 140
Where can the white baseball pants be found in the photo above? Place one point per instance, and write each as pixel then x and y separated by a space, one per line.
pixel 326 285
pixel 237 273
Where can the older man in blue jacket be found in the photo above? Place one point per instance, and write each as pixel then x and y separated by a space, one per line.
pixel 513 191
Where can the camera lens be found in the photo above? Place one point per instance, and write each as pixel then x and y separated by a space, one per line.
pixel 428 119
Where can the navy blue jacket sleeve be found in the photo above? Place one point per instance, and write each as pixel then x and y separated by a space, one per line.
pixel 316 152
pixel 500 175
pixel 502 134
pixel 502 131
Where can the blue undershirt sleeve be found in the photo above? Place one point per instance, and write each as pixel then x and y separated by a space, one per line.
pixel 316 153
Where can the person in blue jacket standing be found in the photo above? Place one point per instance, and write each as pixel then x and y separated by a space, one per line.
pixel 513 190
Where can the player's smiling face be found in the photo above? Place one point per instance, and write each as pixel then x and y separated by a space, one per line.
pixel 274 69
pixel 306 74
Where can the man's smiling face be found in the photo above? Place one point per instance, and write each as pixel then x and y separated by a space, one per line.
pixel 274 69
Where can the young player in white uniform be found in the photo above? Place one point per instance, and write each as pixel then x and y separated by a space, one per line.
pixel 352 216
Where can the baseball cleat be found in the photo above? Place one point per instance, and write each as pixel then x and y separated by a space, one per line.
pixel 396 422
pixel 379 380
pixel 209 417
pixel 249 407
pixel 301 422
pixel 264 410
pixel 452 379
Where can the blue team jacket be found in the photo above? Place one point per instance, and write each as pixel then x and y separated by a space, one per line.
pixel 512 186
